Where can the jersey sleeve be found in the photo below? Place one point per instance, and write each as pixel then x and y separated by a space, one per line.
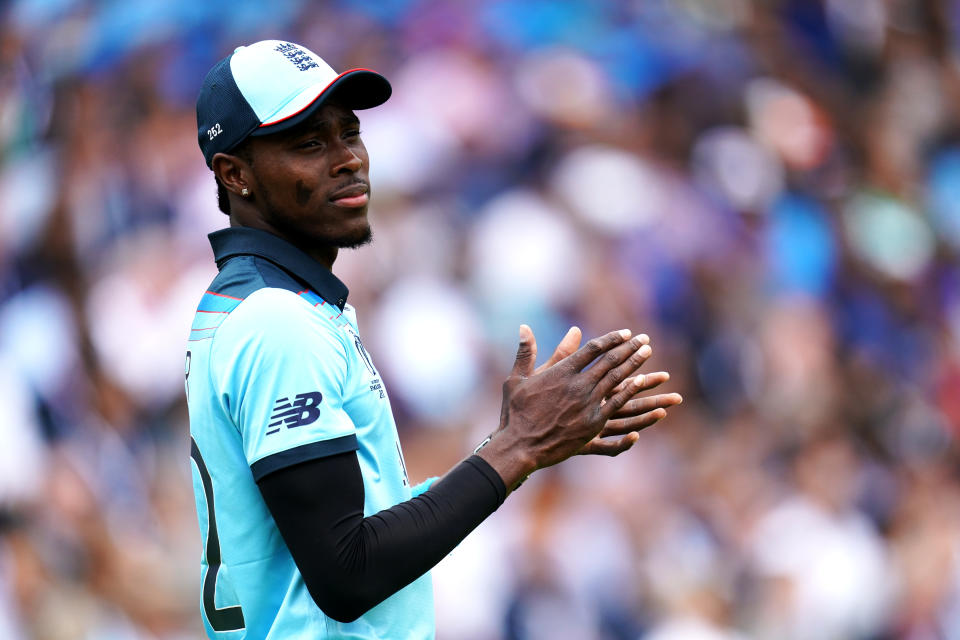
pixel 279 371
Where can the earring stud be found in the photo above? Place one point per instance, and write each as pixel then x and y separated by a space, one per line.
pixel 245 192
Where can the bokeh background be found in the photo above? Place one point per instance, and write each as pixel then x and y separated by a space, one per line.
pixel 770 189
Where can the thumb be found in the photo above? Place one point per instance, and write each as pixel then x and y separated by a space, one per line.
pixel 569 344
pixel 526 353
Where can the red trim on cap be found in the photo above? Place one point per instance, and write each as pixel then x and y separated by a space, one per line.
pixel 307 106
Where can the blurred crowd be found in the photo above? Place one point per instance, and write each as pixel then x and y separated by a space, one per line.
pixel 769 188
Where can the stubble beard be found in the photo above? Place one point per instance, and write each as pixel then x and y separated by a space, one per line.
pixel 347 240
pixel 356 240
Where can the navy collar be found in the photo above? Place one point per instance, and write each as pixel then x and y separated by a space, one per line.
pixel 245 241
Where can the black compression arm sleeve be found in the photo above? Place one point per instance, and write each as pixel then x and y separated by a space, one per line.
pixel 350 563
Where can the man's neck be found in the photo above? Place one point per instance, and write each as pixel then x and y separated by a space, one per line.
pixel 324 254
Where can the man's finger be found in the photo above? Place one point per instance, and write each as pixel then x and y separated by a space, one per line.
pixel 637 406
pixel 526 353
pixel 569 344
pixel 617 365
pixel 616 401
pixel 594 348
pixel 649 381
pixel 598 447
pixel 621 426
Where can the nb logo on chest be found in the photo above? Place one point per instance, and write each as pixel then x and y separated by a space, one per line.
pixel 305 409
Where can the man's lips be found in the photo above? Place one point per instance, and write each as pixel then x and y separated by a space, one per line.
pixel 354 195
pixel 352 201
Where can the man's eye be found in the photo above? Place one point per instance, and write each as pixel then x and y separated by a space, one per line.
pixel 307 144
pixel 352 133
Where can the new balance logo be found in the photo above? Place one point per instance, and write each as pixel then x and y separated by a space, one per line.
pixel 305 409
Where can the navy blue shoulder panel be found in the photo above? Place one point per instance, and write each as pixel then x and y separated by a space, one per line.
pixel 242 275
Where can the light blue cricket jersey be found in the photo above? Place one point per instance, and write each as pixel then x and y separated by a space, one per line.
pixel 276 375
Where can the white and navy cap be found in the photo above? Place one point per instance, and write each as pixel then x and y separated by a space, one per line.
pixel 270 86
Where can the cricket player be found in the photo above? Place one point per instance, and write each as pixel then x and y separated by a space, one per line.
pixel 310 526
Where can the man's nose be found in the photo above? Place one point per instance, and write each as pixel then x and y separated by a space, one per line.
pixel 349 162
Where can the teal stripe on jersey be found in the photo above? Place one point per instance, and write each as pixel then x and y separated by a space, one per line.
pixel 313 298
pixel 213 301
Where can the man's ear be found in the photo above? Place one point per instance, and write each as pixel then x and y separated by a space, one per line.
pixel 232 171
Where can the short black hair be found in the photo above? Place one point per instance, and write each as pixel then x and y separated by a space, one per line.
pixel 223 196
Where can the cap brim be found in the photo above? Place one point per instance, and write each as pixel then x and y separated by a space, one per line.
pixel 354 89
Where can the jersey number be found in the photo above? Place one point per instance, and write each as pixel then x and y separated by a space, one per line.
pixel 228 618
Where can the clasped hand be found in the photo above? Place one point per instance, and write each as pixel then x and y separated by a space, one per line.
pixel 567 407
